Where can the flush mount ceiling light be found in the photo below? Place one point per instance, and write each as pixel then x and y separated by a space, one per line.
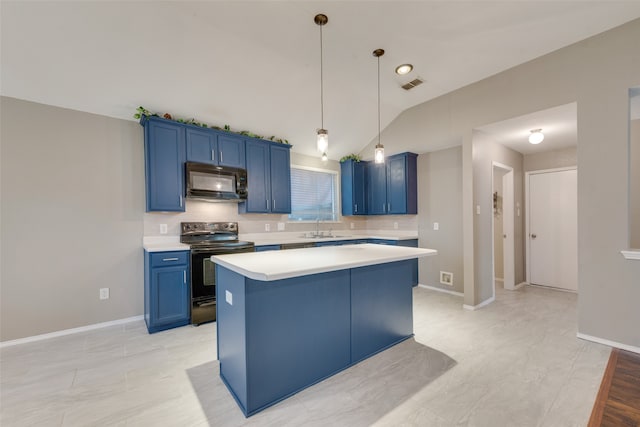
pixel 379 151
pixel 404 69
pixel 322 134
pixel 536 136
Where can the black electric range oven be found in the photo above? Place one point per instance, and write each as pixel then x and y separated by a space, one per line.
pixel 207 239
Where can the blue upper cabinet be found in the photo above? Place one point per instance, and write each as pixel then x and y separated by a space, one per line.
pixel 165 154
pixel 202 146
pixel 353 186
pixel 215 148
pixel 231 149
pixel 377 188
pixel 392 187
pixel 280 178
pixel 269 178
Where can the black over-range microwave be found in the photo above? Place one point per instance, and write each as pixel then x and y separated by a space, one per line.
pixel 215 183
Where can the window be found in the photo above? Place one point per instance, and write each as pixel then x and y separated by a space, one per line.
pixel 314 194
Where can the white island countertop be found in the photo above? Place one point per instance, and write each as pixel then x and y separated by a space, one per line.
pixel 276 265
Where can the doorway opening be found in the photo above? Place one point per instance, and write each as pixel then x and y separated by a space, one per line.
pixel 503 227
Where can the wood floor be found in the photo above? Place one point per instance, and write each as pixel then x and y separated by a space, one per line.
pixel 618 401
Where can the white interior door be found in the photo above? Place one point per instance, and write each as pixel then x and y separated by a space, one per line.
pixel 508 231
pixel 553 229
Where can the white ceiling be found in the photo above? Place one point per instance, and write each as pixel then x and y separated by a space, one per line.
pixel 255 65
pixel 558 124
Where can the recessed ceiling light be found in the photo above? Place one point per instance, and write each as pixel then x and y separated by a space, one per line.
pixel 404 69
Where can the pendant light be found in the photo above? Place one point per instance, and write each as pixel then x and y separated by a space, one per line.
pixel 379 152
pixel 322 133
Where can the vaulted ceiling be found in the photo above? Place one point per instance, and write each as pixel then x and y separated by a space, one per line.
pixel 256 65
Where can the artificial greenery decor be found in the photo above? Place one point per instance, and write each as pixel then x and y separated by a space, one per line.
pixel 351 156
pixel 143 112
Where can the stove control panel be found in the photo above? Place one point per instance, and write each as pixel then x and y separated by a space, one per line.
pixel 190 228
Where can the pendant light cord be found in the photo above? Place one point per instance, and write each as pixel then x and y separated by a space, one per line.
pixel 378 99
pixel 321 84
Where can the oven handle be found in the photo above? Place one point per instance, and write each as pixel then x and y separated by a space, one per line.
pixel 225 251
pixel 206 304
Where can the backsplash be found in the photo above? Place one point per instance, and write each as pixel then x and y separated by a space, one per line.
pixel 255 223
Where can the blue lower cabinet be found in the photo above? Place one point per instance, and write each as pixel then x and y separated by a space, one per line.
pixel 381 308
pixel 412 243
pixel 166 290
pixel 264 248
pixel 276 338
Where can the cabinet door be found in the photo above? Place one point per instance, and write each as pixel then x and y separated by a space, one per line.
pixel 169 295
pixel 201 146
pixel 258 177
pixel 353 187
pixel 280 180
pixel 396 185
pixel 165 156
pixel 231 151
pixel 377 191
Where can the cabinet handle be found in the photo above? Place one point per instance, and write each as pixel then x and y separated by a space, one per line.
pixel 388 207
pixel 184 276
pixel 170 259
pixel 267 204
pixel 384 207
pixel 274 204
pixel 221 156
pixel 356 208
pixel 213 155
pixel 181 200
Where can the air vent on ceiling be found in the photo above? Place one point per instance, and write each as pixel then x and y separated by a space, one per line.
pixel 412 84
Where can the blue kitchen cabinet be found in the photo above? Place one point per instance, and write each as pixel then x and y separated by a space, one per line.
pixel 392 186
pixel 412 243
pixel 165 153
pixel 265 248
pixel 353 186
pixel 269 178
pixel 202 146
pixel 166 290
pixel 215 148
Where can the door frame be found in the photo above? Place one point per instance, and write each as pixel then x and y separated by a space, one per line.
pixel 527 205
pixel 511 200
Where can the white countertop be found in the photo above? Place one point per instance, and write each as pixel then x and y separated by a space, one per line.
pixel 272 265
pixel 163 244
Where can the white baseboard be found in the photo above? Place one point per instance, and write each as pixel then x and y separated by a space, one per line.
pixel 69 331
pixel 482 304
pixel 609 343
pixel 446 291
pixel 519 285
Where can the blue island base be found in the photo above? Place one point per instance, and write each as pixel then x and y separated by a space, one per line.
pixel 276 338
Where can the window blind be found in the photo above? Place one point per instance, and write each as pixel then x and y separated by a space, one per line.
pixel 313 195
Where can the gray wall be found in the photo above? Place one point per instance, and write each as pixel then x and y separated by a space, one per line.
pixel 485 152
pixel 597 74
pixel 634 191
pixel 72 205
pixel 440 200
pixel 551 159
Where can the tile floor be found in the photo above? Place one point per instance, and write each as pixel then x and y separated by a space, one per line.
pixel 515 362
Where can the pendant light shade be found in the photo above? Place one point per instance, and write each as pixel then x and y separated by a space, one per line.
pixel 379 151
pixel 322 142
pixel 536 136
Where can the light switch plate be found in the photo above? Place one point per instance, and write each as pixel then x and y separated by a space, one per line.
pixel 267 227
pixel 104 293
pixel 281 226
pixel 436 226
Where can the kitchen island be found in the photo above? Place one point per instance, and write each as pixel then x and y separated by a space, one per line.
pixel 287 320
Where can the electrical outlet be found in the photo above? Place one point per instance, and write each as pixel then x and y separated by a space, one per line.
pixel 163 228
pixel 352 226
pixel 281 226
pixel 228 297
pixel 395 225
pixel 436 226
pixel 104 293
pixel 267 227
pixel 477 209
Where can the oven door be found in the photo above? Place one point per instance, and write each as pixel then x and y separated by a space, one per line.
pixel 203 282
